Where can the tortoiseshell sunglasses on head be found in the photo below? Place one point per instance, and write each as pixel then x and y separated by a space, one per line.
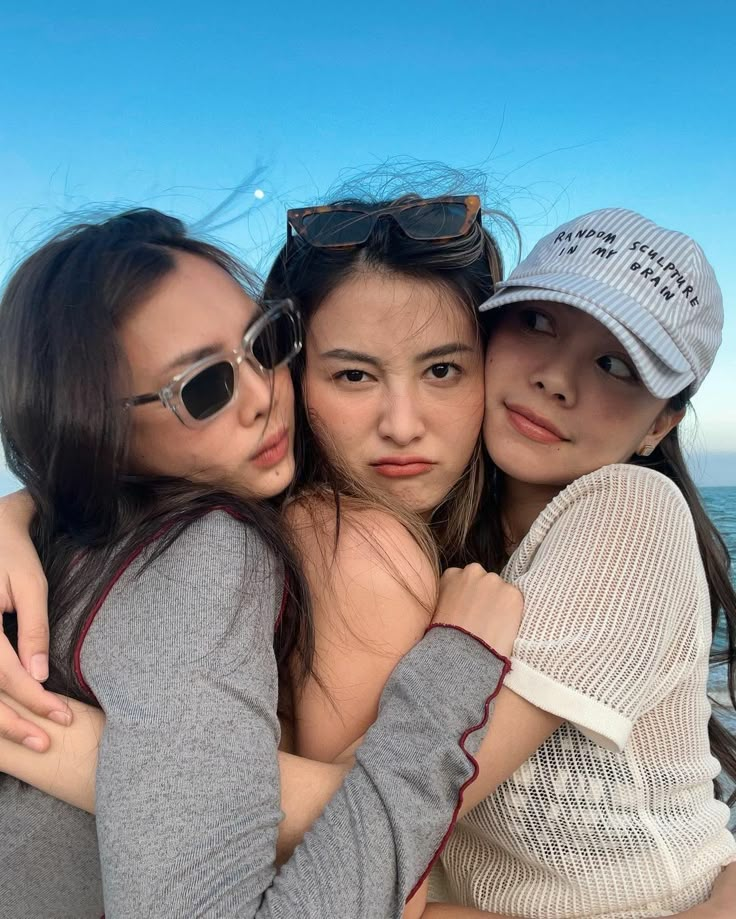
pixel 341 226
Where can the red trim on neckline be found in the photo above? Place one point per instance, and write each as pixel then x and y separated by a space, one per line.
pixel 119 573
pixel 506 667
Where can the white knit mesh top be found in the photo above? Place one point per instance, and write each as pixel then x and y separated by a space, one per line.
pixel 614 815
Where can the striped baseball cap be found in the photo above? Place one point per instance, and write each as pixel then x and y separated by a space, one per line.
pixel 653 288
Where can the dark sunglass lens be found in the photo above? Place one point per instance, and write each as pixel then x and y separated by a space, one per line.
pixel 432 221
pixel 277 342
pixel 337 228
pixel 209 391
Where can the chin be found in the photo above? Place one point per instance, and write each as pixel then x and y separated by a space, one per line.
pixel 276 480
pixel 535 473
pixel 415 500
pixel 267 483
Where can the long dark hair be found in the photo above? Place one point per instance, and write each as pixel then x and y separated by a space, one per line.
pixel 460 267
pixel 65 431
pixel 668 459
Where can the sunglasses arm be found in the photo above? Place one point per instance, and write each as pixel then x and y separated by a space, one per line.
pixel 145 399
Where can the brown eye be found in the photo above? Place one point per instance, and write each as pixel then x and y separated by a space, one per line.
pixel 351 376
pixel 444 371
pixel 616 367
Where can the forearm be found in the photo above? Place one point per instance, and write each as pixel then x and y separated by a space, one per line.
pixel 306 789
pixel 67 770
pixel 383 828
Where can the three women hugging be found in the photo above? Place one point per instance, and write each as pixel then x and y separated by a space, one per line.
pixel 265 519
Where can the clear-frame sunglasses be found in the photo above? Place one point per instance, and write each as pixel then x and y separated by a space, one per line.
pixel 199 393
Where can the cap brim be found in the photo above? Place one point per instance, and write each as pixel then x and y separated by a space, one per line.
pixel 659 362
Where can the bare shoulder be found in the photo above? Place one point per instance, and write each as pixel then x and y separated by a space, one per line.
pixel 373 593
pixel 361 548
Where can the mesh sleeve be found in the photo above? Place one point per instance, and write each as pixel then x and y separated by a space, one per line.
pixel 611 583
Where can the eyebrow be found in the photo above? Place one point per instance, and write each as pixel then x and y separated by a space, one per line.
pixel 191 357
pixel 453 347
pixel 199 354
pixel 344 354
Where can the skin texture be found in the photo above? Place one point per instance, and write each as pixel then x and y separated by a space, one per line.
pixel 162 444
pixel 395 369
pixel 349 658
pixel 197 310
pixel 569 370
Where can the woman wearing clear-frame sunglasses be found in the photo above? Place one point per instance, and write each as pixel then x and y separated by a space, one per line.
pixel 301 298
pixel 175 597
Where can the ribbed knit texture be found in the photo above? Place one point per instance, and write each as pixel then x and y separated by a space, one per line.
pixel 614 815
pixel 180 657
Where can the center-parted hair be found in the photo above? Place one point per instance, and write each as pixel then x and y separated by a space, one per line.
pixel 464 270
pixel 66 432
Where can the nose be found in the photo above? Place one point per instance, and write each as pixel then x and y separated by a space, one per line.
pixel 401 419
pixel 556 379
pixel 255 394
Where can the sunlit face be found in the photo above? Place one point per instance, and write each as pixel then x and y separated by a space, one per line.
pixel 562 396
pixel 197 310
pixel 394 382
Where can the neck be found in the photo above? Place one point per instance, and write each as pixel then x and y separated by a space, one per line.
pixel 521 504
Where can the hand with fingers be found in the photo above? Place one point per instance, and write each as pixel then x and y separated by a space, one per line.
pixel 23 591
pixel 481 603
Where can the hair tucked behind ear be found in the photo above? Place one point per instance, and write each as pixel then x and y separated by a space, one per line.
pixel 65 430
pixel 668 459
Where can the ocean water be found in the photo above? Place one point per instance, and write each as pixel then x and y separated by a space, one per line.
pixel 721 504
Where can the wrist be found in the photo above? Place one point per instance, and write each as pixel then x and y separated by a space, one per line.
pixel 18 509
pixel 505 661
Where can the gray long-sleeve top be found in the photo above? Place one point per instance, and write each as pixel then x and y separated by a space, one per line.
pixel 180 656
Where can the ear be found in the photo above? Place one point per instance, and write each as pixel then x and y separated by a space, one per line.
pixel 665 421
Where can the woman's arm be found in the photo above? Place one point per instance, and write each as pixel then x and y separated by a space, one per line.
pixel 633 608
pixel 372 599
pixel 174 671
pixel 518 728
pixel 67 772
pixel 67 769
pixel 23 590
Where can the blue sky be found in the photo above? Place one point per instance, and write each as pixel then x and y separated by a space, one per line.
pixel 566 106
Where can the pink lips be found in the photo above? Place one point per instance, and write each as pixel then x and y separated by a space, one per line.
pixel 272 451
pixel 398 467
pixel 534 426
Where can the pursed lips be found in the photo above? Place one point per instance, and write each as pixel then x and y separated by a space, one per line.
pixel 395 467
pixel 273 449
